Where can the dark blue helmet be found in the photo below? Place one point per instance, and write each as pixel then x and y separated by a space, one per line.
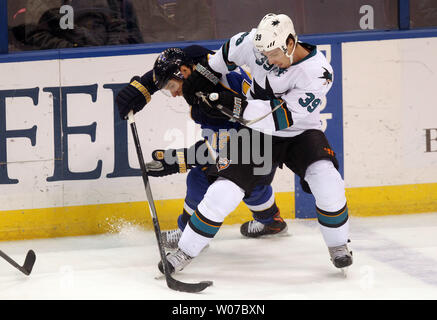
pixel 167 66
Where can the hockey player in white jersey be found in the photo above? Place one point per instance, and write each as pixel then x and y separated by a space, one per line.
pixel 290 79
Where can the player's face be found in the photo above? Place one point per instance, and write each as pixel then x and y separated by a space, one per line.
pixel 174 86
pixel 186 71
pixel 277 57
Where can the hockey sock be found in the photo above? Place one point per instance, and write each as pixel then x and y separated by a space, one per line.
pixel 204 226
pixel 198 233
pixel 192 242
pixel 334 226
pixel 261 203
pixel 266 216
pixel 327 187
pixel 221 198
pixel 183 219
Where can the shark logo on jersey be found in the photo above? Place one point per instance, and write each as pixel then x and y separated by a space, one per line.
pixel 260 93
pixel 327 76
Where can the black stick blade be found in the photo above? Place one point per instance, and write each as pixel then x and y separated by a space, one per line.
pixel 187 287
pixel 28 262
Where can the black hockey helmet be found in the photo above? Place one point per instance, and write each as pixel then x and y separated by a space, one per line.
pixel 167 66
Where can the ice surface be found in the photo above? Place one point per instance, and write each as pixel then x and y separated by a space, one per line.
pixel 395 257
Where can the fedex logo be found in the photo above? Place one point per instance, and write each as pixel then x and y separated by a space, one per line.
pixel 62 131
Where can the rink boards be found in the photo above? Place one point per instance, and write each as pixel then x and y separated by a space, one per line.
pixel 68 164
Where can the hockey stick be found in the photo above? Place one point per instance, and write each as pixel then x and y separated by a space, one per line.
pixel 214 96
pixel 28 262
pixel 171 282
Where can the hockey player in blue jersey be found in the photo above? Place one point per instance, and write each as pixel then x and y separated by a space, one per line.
pixel 170 69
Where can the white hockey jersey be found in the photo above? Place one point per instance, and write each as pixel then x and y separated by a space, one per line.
pixel 301 88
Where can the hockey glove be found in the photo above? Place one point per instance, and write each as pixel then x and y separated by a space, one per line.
pixel 202 79
pixel 134 97
pixel 166 162
pixel 230 104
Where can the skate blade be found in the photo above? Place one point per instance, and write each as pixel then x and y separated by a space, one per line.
pixel 160 277
pixel 344 271
pixel 283 233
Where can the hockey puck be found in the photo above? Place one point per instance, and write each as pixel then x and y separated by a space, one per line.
pixel 213 96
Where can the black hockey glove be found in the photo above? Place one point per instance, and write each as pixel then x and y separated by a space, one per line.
pixel 166 162
pixel 232 105
pixel 202 79
pixel 134 97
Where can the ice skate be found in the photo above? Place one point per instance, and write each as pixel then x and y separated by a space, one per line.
pixel 176 261
pixel 170 238
pixel 341 257
pixel 255 229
